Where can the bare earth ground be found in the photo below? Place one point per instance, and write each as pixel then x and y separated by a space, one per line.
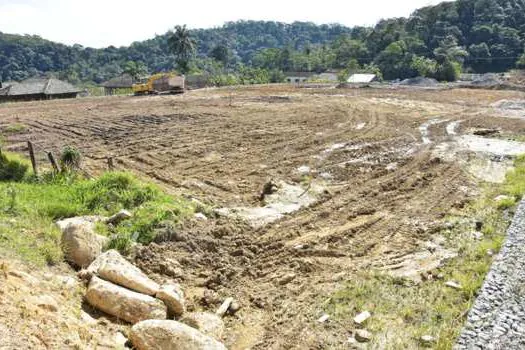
pixel 385 189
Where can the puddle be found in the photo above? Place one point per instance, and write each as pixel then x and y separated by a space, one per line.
pixel 288 199
pixel 425 133
pixel 492 146
pixel 487 159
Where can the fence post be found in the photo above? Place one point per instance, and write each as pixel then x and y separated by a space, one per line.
pixel 32 156
pixel 111 166
pixel 53 162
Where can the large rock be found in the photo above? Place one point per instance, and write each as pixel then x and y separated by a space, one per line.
pixel 170 335
pixel 207 323
pixel 80 243
pixel 116 269
pixel 123 303
pixel 173 297
pixel 101 260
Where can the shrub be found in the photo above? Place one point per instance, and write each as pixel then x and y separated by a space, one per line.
pixel 70 158
pixel 12 168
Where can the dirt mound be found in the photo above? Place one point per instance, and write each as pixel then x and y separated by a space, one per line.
pixel 512 105
pixel 487 80
pixel 420 81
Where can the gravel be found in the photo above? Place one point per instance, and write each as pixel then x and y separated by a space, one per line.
pixel 497 319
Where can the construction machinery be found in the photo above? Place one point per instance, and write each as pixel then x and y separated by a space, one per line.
pixel 161 83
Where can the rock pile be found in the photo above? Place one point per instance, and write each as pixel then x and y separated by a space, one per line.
pixel 120 289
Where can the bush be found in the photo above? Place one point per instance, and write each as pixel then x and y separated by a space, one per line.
pixel 70 158
pixel 12 167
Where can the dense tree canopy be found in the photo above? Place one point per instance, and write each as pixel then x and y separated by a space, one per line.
pixel 473 35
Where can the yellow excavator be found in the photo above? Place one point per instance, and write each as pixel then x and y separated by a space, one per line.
pixel 161 83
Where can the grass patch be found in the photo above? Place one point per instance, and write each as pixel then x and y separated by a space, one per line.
pixel 29 206
pixel 404 311
pixel 15 128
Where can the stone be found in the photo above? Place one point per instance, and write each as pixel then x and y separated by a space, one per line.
pixel 87 318
pixel 477 235
pixel 363 336
pixel 362 317
pixel 427 340
pixel 120 340
pixel 207 323
pixel 170 335
pixel 80 243
pixel 101 260
pixel 221 311
pixel 323 318
pixel 45 302
pixel 234 307
pixel 119 217
pixel 118 270
pixel 173 297
pixel 122 303
pixel 201 217
pixel 453 285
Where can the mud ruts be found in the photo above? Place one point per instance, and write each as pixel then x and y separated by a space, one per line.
pixel 497 320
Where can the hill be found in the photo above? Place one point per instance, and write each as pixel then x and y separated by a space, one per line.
pixel 481 35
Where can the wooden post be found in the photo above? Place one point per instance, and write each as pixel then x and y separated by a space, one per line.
pixel 32 156
pixel 111 166
pixel 53 162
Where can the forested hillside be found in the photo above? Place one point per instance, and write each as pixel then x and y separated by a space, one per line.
pixel 437 41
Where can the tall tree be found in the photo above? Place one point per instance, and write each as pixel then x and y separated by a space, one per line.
pixel 183 46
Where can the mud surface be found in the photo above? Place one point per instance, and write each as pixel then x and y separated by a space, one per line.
pixel 389 172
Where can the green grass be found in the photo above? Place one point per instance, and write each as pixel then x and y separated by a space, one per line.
pixel 15 128
pixel 29 206
pixel 404 311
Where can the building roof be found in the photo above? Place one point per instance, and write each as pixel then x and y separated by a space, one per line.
pixel 121 82
pixel 37 86
pixel 362 78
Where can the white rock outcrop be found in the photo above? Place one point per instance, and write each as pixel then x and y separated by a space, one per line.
pixel 170 335
pixel 122 303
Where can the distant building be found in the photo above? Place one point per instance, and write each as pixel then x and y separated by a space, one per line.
pixel 362 78
pixel 37 89
pixel 118 85
pixel 298 77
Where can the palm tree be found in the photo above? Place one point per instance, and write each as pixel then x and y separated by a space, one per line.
pixel 183 46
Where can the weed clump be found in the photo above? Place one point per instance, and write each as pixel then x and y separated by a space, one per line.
pixel 12 167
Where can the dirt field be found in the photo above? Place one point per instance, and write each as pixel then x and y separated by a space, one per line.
pixel 385 164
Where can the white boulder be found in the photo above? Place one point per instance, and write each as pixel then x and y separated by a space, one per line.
pixel 116 269
pixel 207 323
pixel 123 303
pixel 173 297
pixel 80 243
pixel 170 335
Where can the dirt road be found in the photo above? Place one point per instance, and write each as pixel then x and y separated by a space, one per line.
pixel 385 188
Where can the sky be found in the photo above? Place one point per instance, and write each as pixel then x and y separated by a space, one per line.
pixel 101 23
